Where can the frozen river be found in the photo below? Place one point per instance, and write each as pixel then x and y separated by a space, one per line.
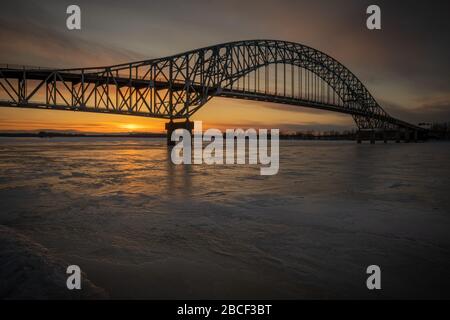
pixel 141 227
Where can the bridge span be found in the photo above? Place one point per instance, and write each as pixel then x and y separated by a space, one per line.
pixel 177 86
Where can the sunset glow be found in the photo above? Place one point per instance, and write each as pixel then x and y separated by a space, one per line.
pixel 219 113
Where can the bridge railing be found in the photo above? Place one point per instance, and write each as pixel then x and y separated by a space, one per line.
pixel 23 67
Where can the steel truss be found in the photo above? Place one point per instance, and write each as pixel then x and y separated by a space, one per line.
pixel 176 87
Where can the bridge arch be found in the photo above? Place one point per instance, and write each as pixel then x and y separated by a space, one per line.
pixel 237 60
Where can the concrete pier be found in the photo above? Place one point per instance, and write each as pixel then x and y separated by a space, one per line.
pixel 358 137
pixel 407 136
pixel 372 137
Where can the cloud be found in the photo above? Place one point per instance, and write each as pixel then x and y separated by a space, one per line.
pixel 36 43
pixel 432 111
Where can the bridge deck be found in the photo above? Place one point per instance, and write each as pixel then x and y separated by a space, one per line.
pixel 76 78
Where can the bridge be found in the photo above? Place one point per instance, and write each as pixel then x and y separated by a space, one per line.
pixel 176 87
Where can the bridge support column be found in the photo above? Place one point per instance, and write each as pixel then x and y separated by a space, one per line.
pixel 372 137
pixel 397 136
pixel 407 136
pixel 172 126
pixel 358 136
pixel 385 138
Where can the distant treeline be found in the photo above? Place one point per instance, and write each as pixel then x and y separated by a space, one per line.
pixel 438 131
pixel 51 134
pixel 320 135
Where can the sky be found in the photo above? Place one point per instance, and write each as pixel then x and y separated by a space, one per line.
pixel 405 65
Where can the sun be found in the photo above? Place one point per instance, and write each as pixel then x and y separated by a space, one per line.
pixel 131 126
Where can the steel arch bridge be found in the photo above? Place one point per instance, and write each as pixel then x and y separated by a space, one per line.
pixel 177 86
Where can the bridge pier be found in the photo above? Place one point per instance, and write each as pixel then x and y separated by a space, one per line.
pixel 172 126
pixel 369 135
pixel 407 136
pixel 398 135
pixel 385 136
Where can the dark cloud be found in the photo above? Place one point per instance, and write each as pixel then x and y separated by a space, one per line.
pixel 48 48
pixel 428 112
pixel 32 37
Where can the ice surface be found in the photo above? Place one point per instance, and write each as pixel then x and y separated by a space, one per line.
pixel 140 227
pixel 29 271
